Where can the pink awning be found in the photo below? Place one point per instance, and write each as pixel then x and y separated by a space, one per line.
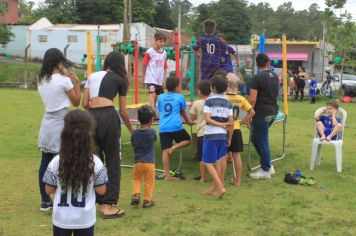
pixel 291 56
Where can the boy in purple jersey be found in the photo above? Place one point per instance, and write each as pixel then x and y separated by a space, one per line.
pixel 226 62
pixel 328 125
pixel 211 50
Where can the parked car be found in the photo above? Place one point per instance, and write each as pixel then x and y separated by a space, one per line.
pixel 348 84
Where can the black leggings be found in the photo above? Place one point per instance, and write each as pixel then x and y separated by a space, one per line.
pixel 107 139
pixel 300 88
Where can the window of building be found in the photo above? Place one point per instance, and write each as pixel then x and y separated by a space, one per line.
pixel 4 6
pixel 72 38
pixel 42 38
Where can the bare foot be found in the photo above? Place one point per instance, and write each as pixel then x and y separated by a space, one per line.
pixel 322 138
pixel 170 178
pixel 208 191
pixel 219 193
pixel 202 180
pixel 328 138
pixel 235 182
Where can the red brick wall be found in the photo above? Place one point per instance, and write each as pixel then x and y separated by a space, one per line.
pixel 12 15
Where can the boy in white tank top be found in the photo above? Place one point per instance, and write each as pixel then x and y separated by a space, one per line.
pixel 154 68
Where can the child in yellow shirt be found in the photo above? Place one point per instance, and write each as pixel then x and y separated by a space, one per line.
pixel 238 102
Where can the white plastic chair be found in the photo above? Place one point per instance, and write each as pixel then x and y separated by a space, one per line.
pixel 317 143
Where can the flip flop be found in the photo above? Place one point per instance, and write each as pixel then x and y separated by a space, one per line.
pixel 117 214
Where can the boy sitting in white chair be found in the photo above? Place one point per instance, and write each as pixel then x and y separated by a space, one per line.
pixel 328 125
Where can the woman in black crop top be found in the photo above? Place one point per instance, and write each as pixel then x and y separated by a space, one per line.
pixel 99 91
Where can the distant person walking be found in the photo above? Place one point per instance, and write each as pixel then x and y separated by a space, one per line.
pixel 58 88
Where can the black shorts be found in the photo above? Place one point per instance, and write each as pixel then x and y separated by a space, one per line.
pixel 154 88
pixel 178 136
pixel 237 144
pixel 199 153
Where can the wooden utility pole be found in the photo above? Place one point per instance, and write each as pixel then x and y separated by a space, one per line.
pixel 127 20
pixel 127 33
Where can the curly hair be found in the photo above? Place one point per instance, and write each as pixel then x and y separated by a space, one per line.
pixel 76 164
pixel 53 57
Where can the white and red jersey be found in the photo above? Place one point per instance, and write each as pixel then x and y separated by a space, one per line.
pixel 156 64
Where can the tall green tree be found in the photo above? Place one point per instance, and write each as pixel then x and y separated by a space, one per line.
pixel 186 8
pixel 231 17
pixel 58 11
pixel 6 35
pixel 162 17
pixel 26 12
pixel 341 32
pixel 143 11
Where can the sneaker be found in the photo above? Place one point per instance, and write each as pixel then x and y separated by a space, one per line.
pixel 148 204
pixel 261 174
pixel 135 200
pixel 272 171
pixel 46 206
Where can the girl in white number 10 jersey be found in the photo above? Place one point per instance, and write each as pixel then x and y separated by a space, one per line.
pixel 74 176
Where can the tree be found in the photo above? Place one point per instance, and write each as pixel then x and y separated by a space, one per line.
pixel 97 12
pixel 231 17
pixel 26 12
pixel 5 32
pixel 143 11
pixel 58 11
pixel 162 16
pixel 186 7
pixel 341 31
pixel 6 35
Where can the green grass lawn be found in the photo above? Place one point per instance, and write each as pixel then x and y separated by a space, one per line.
pixel 265 207
pixel 14 71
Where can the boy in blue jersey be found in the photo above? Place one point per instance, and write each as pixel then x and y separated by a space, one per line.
pixel 328 126
pixel 312 89
pixel 218 116
pixel 211 50
pixel 226 63
pixel 171 106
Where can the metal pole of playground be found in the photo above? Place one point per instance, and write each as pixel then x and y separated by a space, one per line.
pixel 285 95
pixel 98 51
pixel 192 65
pixel 176 48
pixel 136 71
pixel 261 47
pixel 89 62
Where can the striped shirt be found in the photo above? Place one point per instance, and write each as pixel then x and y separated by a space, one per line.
pixel 220 109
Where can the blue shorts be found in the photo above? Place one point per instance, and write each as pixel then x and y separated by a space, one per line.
pixel 214 150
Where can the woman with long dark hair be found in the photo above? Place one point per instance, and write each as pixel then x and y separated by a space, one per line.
pixel 300 82
pixel 74 176
pixel 99 93
pixel 58 88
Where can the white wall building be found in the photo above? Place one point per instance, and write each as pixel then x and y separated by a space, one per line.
pixel 43 35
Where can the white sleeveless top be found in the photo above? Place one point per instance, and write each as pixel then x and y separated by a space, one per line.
pixel 156 63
